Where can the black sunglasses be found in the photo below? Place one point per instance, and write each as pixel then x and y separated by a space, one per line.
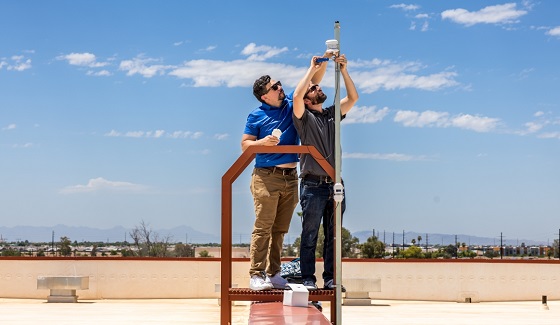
pixel 273 87
pixel 311 89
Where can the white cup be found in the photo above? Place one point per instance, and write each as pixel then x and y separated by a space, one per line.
pixel 277 133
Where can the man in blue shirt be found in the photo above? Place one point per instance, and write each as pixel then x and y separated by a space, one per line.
pixel 274 181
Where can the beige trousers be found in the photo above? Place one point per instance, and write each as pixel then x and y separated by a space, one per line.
pixel 275 196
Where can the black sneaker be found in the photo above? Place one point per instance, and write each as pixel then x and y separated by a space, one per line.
pixel 317 304
pixel 329 285
pixel 310 285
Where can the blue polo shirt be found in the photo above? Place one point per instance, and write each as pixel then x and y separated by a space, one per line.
pixel 260 123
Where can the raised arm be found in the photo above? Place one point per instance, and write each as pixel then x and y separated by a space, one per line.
pixel 318 76
pixel 315 72
pixel 351 93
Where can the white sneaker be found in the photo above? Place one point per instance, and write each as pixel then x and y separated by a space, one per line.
pixel 258 283
pixel 277 281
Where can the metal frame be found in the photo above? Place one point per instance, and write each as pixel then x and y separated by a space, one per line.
pixel 226 294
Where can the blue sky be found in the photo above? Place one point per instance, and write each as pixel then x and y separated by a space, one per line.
pixel 113 112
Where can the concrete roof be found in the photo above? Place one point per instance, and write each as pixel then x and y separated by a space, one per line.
pixel 207 311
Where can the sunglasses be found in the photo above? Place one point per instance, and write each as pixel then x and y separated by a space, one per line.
pixel 311 89
pixel 274 87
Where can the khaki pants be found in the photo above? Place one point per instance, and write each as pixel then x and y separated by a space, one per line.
pixel 275 196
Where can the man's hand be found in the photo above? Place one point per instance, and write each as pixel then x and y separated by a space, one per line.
pixel 342 61
pixel 316 65
pixel 269 140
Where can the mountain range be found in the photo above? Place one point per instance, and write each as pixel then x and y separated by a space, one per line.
pixel 115 234
pixel 191 235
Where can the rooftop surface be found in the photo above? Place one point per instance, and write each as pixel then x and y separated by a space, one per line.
pixel 207 311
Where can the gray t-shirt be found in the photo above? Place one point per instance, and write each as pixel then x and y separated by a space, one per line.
pixel 316 129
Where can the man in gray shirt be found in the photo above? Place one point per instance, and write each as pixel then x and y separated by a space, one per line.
pixel 316 126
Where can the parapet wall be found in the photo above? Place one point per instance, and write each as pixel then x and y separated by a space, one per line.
pixel 436 280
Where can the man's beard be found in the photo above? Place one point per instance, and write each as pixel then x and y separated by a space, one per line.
pixel 318 99
pixel 281 95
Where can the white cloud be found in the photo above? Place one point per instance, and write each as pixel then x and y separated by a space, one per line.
pixel 82 60
pixel 20 65
pixel 412 25
pixel 369 76
pixel 112 133
pixel 532 127
pixel 365 114
pixel 525 73
pixel 102 73
pixel 238 73
pixel 25 145
pixel 426 118
pixel 262 52
pixel 539 113
pixel 550 135
pixel 442 119
pixel 15 63
pixel 405 7
pixel 134 134
pixel 388 75
pixel 498 14
pixel 475 123
pixel 101 184
pixel 210 48
pixel 143 66
pixel 382 156
pixel 9 127
pixel 186 135
pixel 554 31
pixel 221 136
pixel 156 134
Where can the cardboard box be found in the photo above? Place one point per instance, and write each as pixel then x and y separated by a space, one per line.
pixel 298 296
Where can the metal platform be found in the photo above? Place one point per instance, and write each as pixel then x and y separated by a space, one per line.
pixel 275 295
pixel 246 294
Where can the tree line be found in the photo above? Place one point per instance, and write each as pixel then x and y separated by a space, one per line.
pixel 148 243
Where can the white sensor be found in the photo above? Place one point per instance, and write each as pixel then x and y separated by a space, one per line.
pixel 338 190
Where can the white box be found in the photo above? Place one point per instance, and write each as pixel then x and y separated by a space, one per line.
pixel 297 297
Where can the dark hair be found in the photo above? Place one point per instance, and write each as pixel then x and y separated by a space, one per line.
pixel 259 87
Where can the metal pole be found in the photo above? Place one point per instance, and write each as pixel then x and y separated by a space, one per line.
pixel 338 159
pixel 501 246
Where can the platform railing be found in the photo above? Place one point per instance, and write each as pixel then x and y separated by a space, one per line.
pixel 228 294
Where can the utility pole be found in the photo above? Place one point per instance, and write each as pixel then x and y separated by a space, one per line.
pixel 403 239
pixel 393 244
pixel 501 246
pixel 456 247
pixel 558 245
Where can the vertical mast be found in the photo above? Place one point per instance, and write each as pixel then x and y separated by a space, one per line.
pixel 338 210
